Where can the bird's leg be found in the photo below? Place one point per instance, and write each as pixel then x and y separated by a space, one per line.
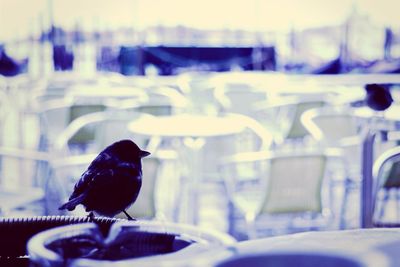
pixel 128 216
pixel 91 216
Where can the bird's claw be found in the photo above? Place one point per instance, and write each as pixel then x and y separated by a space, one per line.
pixel 91 216
pixel 130 218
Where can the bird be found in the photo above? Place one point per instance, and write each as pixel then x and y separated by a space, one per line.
pixel 112 181
pixel 378 97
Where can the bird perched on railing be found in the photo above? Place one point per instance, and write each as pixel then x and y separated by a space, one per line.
pixel 378 97
pixel 112 181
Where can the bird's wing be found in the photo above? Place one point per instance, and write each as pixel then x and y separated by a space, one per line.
pixel 107 178
pixel 102 172
pixel 100 166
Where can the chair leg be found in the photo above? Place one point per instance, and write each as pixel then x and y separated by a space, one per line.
pixel 384 201
pixel 397 205
pixel 343 208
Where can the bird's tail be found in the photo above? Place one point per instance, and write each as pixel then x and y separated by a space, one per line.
pixel 72 203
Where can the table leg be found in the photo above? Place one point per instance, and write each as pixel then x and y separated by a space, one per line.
pixel 367 200
pixel 195 146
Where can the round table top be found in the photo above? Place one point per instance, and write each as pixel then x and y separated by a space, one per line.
pixel 186 125
pixel 377 246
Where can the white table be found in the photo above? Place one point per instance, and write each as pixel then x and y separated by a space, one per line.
pixel 193 130
pixel 373 247
pixel 186 125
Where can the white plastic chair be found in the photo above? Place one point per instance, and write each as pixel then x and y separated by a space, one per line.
pixel 294 192
pixel 339 127
pixel 386 173
pixel 239 98
pixel 282 116
pixel 163 100
pixel 23 178
pixel 198 87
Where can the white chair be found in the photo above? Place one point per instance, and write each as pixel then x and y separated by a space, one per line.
pixel 198 87
pixel 386 173
pixel 23 178
pixel 163 100
pixel 55 115
pixel 339 127
pixel 282 116
pixel 281 191
pixel 253 137
pixel 239 98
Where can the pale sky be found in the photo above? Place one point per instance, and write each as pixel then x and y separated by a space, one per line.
pixel 19 18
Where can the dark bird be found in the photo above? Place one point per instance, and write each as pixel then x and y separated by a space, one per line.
pixel 378 97
pixel 112 181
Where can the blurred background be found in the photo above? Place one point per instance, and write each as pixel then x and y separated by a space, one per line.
pixel 353 36
pixel 254 111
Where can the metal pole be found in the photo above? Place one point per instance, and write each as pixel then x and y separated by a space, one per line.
pixel 367 201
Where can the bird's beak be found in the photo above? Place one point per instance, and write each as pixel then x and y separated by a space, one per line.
pixel 144 153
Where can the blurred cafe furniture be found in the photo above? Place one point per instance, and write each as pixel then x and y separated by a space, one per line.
pixel 339 127
pixel 281 111
pixel 23 177
pixel 17 118
pixel 162 100
pixel 381 125
pixel 345 248
pixel 345 127
pixel 282 115
pixel 199 87
pixel 238 97
pixel 280 191
pixel 200 140
pixel 55 115
pixel 97 130
pixel 386 174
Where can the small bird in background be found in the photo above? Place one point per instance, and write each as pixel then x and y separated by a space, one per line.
pixel 112 181
pixel 378 97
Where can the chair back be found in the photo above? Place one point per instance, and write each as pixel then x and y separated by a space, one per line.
pixel 338 126
pixel 297 129
pixel 253 137
pixel 294 184
pixel 386 169
pixel 283 116
pixel 386 173
pixel 55 115
pixel 293 187
pixel 331 124
pixel 163 100
pixel 105 128
pixel 239 98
